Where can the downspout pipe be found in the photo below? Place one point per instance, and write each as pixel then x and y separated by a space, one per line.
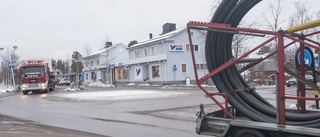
pixel 165 62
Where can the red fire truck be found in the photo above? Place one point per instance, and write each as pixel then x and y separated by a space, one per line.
pixel 36 76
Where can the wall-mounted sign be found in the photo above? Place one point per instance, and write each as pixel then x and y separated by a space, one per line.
pixel 176 47
pixel 138 72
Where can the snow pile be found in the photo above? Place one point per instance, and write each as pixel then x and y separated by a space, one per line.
pixel 4 88
pixel 70 89
pixel 294 106
pixel 118 95
pixel 98 84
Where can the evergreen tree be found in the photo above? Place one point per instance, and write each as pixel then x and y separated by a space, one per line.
pixel 76 62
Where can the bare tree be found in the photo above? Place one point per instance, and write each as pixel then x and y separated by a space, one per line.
pixel 239 45
pixel 302 15
pixel 109 58
pixel 67 64
pixel 214 6
pixel 5 72
pixel 87 50
pixel 275 23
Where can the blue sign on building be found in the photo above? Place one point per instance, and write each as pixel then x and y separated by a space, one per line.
pixel 307 58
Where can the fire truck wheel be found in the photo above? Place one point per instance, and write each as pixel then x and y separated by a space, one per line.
pixel 25 92
pixel 47 90
pixel 248 133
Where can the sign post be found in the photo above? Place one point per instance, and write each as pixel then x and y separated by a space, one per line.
pixel 174 71
pixel 310 62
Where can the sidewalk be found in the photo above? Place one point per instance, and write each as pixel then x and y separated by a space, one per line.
pixel 7 94
pixel 147 86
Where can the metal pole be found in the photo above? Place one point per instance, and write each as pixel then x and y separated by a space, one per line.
pixel 11 67
pixel 281 90
pixel 174 77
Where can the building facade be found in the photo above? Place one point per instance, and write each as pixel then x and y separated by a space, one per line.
pixel 103 64
pixel 166 58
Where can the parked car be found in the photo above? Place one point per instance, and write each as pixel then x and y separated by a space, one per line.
pixel 291 82
pixel 64 81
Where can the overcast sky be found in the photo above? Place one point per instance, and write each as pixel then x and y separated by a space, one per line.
pixel 56 28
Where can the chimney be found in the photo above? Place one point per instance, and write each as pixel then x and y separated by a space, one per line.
pixel 108 44
pixel 168 27
pixel 150 35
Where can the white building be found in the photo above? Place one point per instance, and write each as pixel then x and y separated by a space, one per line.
pixel 166 58
pixel 57 73
pixel 102 65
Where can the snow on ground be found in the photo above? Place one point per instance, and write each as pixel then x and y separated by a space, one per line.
pixel 97 84
pixel 117 95
pixel 4 88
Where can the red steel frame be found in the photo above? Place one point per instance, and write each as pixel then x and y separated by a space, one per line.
pixel 281 55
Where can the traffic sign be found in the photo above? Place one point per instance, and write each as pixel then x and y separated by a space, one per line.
pixel 10 63
pixel 111 66
pixel 316 63
pixel 174 67
pixel 307 58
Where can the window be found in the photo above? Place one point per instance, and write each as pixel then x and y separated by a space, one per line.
pixel 155 50
pixel 196 47
pixel 91 63
pixel 98 63
pixel 86 64
pixel 136 53
pixel 145 52
pixel 125 73
pixel 201 66
pixel 183 68
pixel 33 70
pixel 155 71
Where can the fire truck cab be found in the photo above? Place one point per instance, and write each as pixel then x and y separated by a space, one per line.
pixel 36 76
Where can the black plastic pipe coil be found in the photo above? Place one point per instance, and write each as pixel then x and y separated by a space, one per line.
pixel 218 51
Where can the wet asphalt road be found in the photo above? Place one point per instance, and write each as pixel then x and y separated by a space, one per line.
pixel 109 118
pixel 157 117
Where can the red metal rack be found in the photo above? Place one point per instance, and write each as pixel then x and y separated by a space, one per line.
pixel 280 35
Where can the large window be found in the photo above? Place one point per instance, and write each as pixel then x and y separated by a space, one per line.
pixel 137 54
pixel 195 47
pixel 154 50
pixel 125 73
pixel 98 63
pixel 183 67
pixel 201 66
pixel 91 63
pixel 33 70
pixel 155 71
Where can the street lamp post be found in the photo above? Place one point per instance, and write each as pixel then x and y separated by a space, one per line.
pixel 10 65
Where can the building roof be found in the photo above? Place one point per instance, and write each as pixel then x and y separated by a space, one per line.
pixel 267 65
pixel 159 37
pixel 96 53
